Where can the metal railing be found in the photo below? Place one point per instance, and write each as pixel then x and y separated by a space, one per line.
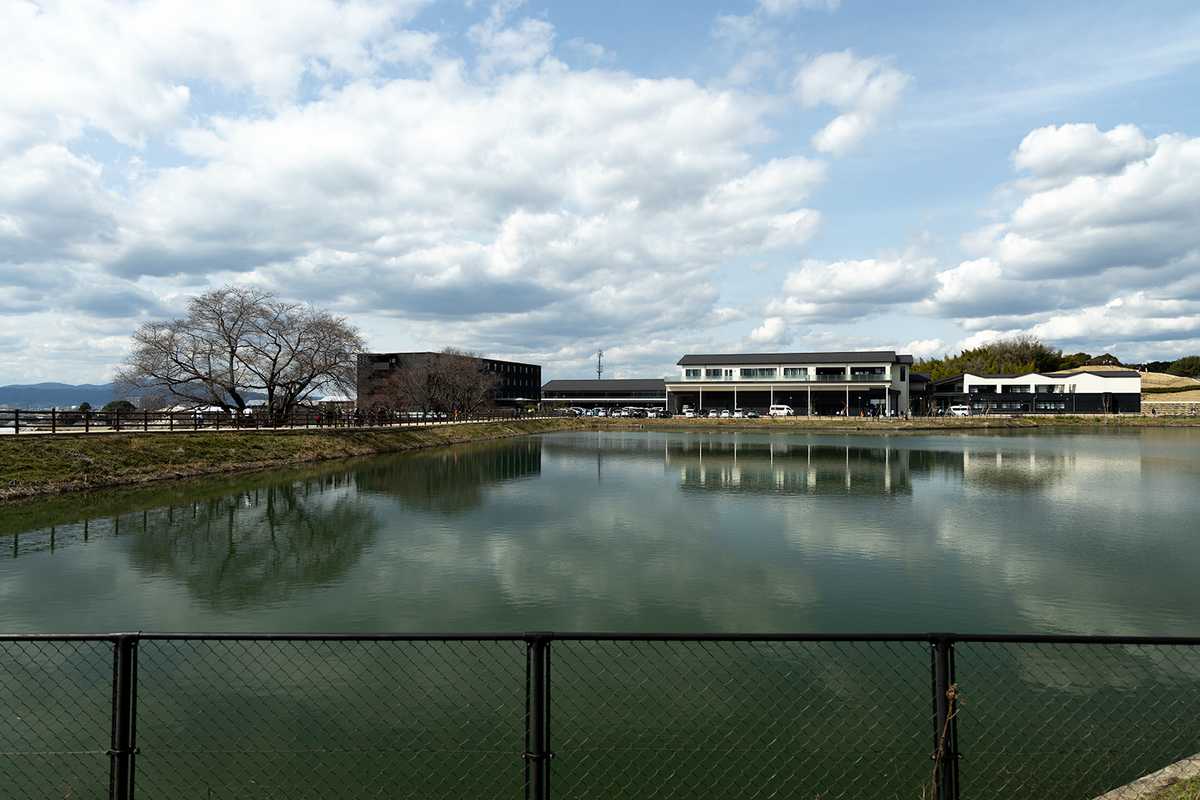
pixel 576 714
pixel 18 421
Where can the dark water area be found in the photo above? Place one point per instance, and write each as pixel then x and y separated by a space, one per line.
pixel 1046 531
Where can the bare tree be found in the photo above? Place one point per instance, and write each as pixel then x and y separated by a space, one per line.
pixel 459 383
pixel 237 341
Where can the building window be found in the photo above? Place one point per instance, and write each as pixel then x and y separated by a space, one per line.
pixel 758 372
pixel 712 373
pixel 795 372
pixel 691 373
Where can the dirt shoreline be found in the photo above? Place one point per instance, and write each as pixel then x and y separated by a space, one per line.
pixel 39 465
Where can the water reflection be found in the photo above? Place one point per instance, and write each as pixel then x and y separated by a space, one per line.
pixel 787 467
pixel 451 480
pixel 1010 533
pixel 259 546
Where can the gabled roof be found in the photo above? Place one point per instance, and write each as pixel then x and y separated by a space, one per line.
pixel 856 357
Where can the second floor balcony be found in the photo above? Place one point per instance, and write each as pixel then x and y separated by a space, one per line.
pixel 737 378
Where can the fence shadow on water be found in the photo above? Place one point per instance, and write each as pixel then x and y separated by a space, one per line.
pixel 590 715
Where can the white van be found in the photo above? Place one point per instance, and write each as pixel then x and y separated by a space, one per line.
pixel 781 411
pixel 960 411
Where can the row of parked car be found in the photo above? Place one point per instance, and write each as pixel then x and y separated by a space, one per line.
pixel 628 411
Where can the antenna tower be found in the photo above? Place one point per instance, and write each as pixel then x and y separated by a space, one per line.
pixel 599 368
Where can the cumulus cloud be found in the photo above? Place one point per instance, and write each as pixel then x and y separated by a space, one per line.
pixel 866 90
pixel 1102 246
pixel 129 69
pixel 517 202
pixel 845 291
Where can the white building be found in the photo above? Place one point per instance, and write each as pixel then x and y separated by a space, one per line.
pixel 826 384
pixel 1074 392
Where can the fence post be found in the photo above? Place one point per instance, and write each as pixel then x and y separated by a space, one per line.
pixel 537 734
pixel 54 420
pixel 120 782
pixel 945 755
pixel 16 421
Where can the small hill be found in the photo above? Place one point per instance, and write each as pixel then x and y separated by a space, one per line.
pixel 38 396
pixel 1163 380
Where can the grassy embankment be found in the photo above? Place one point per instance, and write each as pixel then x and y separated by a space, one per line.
pixel 42 465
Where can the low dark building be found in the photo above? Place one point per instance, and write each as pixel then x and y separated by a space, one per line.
pixel 519 384
pixel 1082 391
pixel 613 393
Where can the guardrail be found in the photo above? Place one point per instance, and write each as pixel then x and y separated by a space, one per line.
pixel 579 714
pixel 55 421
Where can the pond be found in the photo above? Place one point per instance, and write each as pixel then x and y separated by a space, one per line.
pixel 1047 531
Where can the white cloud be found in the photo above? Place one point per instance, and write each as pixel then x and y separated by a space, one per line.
pixel 865 89
pixel 1103 245
pixel 845 291
pixel 776 7
pixel 774 332
pixel 125 68
pixel 504 47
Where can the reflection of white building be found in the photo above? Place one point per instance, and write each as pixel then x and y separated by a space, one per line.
pixel 811 383
pixel 1080 391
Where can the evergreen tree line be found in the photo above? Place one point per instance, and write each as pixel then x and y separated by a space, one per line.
pixel 1022 354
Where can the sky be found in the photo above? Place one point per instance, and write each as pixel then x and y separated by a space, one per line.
pixel 541 180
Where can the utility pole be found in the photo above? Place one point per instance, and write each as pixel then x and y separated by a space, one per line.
pixel 599 368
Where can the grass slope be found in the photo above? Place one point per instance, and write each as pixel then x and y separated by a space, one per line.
pixel 40 464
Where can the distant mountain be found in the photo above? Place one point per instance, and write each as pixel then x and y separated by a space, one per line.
pixel 54 395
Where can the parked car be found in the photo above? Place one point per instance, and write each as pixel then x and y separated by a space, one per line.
pixel 751 415
pixel 725 414
pixel 960 411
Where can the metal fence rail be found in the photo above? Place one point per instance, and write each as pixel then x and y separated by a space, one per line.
pixel 16 421
pixel 591 715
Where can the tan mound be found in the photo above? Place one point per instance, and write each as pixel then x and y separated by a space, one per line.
pixel 1162 379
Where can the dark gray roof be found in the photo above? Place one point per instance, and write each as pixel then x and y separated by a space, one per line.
pixel 608 385
pixel 1104 373
pixel 872 357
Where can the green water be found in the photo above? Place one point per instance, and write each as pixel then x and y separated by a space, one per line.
pixel 1013 533
pixel 1043 532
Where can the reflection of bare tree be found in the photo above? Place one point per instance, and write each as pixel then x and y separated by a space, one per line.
pixel 451 480
pixel 257 546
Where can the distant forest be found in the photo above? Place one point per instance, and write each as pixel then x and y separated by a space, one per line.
pixel 1025 354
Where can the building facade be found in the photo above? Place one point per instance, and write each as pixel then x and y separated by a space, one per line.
pixel 612 393
pixel 1075 392
pixel 823 384
pixel 519 384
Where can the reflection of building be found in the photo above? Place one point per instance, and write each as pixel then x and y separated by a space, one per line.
pixel 1081 391
pixel 817 383
pixel 649 393
pixel 785 468
pixel 519 383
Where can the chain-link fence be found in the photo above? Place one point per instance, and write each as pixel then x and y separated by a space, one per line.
pixel 591 715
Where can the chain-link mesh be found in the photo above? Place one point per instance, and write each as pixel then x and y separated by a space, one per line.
pixel 226 716
pixel 740 719
pixel 315 719
pixel 56 701
pixel 1072 719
